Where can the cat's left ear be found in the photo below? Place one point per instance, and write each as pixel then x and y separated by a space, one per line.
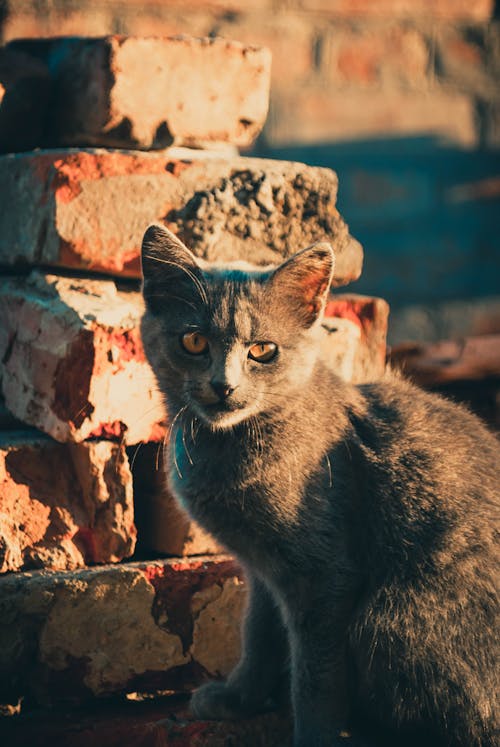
pixel 169 269
pixel 304 280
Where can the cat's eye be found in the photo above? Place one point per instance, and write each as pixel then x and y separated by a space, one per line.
pixel 194 343
pixel 263 351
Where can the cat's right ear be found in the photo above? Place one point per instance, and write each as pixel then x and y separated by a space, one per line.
pixel 169 269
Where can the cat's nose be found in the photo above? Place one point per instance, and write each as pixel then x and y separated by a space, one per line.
pixel 222 390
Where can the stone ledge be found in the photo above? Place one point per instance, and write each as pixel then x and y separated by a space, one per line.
pixel 89 209
pixel 133 92
pixel 162 625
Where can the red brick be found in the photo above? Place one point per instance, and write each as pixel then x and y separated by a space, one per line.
pixel 370 318
pixel 463 63
pixel 376 55
pixel 63 505
pixel 133 627
pixel 89 209
pixel 450 10
pixel 318 114
pixel 73 363
pixel 193 91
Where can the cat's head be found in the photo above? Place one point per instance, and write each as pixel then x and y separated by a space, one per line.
pixel 231 341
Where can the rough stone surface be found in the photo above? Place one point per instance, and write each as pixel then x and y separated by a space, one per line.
pixel 24 100
pixel 63 505
pixel 134 92
pixel 141 722
pixel 117 629
pixel 89 209
pixel 72 360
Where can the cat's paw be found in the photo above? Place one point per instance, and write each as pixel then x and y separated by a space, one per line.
pixel 217 701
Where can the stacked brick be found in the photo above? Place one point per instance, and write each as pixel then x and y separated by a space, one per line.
pixel 82 420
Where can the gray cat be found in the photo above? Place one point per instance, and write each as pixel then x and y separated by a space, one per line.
pixel 364 516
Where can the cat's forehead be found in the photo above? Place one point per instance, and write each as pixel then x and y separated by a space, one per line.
pixel 237 306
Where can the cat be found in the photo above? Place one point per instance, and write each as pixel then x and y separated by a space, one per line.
pixel 364 516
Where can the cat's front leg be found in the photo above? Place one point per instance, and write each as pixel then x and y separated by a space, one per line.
pixel 254 685
pixel 319 680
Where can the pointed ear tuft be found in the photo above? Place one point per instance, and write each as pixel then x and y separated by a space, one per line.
pixel 169 269
pixel 304 281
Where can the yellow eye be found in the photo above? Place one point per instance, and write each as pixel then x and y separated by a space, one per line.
pixel 263 351
pixel 194 343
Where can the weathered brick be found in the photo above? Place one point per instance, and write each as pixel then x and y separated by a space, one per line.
pixel 192 91
pixel 115 629
pixel 73 363
pixel 89 209
pixel 318 114
pixel 63 505
pixel 24 100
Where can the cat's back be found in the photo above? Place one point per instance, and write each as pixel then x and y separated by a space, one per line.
pixel 426 477
pixel 415 431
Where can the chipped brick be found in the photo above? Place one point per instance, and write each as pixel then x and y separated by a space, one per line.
pixel 63 505
pixel 89 209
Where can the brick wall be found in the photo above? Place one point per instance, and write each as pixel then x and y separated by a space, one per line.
pixel 400 97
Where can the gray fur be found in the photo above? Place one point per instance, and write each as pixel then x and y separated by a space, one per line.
pixel 365 516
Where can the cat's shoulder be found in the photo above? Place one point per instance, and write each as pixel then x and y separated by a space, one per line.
pixel 395 404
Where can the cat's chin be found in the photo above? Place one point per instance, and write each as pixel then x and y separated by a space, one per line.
pixel 219 419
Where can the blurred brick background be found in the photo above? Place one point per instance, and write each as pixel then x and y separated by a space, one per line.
pixel 400 97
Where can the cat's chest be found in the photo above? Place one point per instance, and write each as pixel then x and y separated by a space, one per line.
pixel 241 494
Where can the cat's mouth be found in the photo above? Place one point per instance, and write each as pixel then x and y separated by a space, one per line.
pixel 222 414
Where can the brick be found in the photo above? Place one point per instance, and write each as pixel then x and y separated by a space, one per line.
pixel 364 319
pixel 63 505
pixel 89 209
pixel 290 39
pixel 314 114
pixel 376 56
pixel 24 100
pixel 468 359
pixel 134 627
pixel 450 10
pixel 193 91
pixel 162 525
pixel 462 60
pixel 73 363
pixel 141 721
pixel 445 320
